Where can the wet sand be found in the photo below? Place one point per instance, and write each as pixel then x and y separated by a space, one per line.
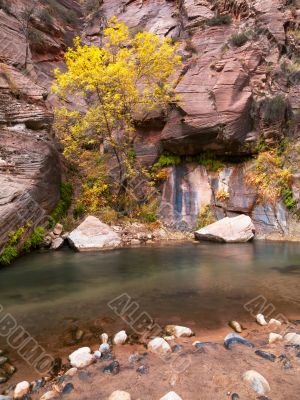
pixel 212 373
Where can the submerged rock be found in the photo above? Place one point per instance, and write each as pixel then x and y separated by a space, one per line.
pixel 94 235
pixel 178 331
pixel 256 381
pixel 229 230
pixel 120 395
pixel 3 360
pixel 159 346
pixel 235 396
pixel 171 396
pixel 260 319
pixel 21 389
pixel 234 338
pixel 266 355
pixel 81 358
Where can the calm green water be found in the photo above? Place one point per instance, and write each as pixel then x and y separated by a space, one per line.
pixel 199 284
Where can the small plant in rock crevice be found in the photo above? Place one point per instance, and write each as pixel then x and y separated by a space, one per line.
pixel 218 20
pixel 205 217
pixel 239 39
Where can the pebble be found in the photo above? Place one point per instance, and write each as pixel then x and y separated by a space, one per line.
pixel 235 326
pixel 176 348
pixel 9 369
pixel 178 331
pixel 274 337
pixel 266 355
pixel 274 321
pixel 142 370
pixel 292 338
pixel 159 346
pixel 260 319
pixel 58 229
pixel 3 377
pixel 113 368
pixel 104 348
pixel 71 372
pixel 57 243
pixel 285 361
pixel 295 321
pixel 81 358
pixel 97 354
pixel 235 396
pixel 120 338
pixel 52 394
pixel 257 382
pixel 234 338
pixel 120 395
pixel 3 360
pixel 104 337
pixel 21 389
pixel 202 345
pixel 137 357
pixel 171 396
pixel 37 385
pixel 68 388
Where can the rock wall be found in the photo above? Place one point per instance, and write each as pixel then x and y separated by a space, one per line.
pixel 30 170
pixel 223 88
pixel 189 188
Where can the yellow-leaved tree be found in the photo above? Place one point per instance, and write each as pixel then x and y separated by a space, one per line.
pixel 114 85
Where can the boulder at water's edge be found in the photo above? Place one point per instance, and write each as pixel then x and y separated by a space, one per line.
pixel 229 230
pixel 94 235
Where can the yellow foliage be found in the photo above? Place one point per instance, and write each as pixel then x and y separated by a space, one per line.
pixel 222 195
pixel 269 176
pixel 114 86
pixel 119 82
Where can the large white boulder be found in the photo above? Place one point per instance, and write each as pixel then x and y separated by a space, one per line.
pixel 94 235
pixel 230 230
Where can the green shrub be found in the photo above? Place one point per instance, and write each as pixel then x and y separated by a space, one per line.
pixel 92 5
pixel 57 9
pixel 238 39
pixel 8 255
pixel 10 251
pixel 79 211
pixel 35 239
pixel 218 20
pixel 210 161
pixel 275 109
pixel 205 217
pixel 66 191
pixel 167 159
pixel 35 36
pixel 148 212
pixel 288 199
pixel 46 17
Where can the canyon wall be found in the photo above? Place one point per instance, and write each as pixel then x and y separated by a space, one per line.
pixel 233 67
